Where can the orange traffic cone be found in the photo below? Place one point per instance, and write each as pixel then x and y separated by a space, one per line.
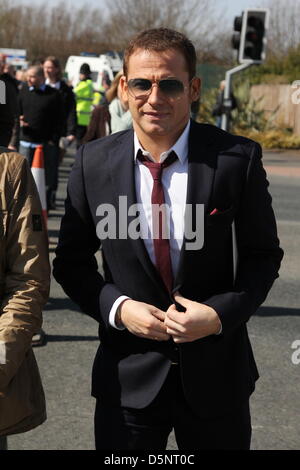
pixel 38 173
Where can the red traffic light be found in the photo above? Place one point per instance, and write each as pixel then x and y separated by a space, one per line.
pixel 252 37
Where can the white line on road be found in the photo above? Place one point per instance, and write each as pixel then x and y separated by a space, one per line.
pixel 289 222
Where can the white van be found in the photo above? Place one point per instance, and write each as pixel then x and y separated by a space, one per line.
pixel 103 67
pixel 15 57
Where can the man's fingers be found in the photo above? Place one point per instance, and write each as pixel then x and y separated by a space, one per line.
pixel 160 337
pixel 172 308
pixel 175 316
pixel 144 320
pixel 159 314
pixel 182 300
pixel 173 327
pixel 158 330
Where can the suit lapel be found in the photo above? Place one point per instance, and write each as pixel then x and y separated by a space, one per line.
pixel 122 170
pixel 202 158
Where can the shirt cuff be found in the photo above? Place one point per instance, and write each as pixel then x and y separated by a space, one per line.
pixel 113 311
pixel 220 331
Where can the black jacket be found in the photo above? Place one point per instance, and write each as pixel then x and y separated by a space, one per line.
pixel 9 113
pixel 69 119
pixel 42 110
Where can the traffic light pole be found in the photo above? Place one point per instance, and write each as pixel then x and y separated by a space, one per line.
pixel 227 100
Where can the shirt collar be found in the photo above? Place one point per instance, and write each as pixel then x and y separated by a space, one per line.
pixel 53 85
pixel 180 147
pixel 42 87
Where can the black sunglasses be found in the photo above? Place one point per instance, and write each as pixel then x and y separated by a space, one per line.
pixel 140 88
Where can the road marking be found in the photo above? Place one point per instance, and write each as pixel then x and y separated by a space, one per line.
pixel 289 222
pixel 291 171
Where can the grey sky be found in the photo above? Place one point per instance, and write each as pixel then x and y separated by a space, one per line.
pixel 233 7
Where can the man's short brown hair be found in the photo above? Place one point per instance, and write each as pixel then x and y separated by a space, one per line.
pixel 162 39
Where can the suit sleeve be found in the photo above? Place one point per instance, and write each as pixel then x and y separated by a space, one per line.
pixel 258 250
pixel 75 266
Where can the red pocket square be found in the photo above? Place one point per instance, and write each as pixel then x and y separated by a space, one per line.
pixel 215 211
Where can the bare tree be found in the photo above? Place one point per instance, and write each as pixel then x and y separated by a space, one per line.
pixel 198 19
pixel 64 30
pixel 60 30
pixel 284 31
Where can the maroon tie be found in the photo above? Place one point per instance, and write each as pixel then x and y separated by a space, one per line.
pixel 161 243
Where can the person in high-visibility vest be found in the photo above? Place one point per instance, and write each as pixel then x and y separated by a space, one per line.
pixel 84 93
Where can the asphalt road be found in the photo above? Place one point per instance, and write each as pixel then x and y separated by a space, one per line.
pixel 66 360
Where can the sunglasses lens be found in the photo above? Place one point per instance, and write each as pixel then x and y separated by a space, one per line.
pixel 171 88
pixel 139 86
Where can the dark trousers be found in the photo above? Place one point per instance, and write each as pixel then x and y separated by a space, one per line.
pixel 5 136
pixel 80 133
pixel 148 429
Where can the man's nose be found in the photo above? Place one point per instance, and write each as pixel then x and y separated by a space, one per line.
pixel 155 94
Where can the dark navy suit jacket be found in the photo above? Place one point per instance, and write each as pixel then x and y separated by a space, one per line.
pixel 224 172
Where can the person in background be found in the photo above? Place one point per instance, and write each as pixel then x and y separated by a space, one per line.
pixel 172 305
pixel 84 93
pixel 53 75
pixel 25 282
pixel 21 77
pixel 41 124
pixel 219 107
pixel 9 111
pixel 10 70
pixel 99 125
pixel 120 116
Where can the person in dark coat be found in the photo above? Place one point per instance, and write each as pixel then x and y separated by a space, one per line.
pixel 53 75
pixel 9 112
pixel 172 305
pixel 41 123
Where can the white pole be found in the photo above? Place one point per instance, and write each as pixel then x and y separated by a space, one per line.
pixel 228 75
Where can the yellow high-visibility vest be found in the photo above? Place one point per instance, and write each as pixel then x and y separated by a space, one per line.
pixel 84 93
pixel 97 98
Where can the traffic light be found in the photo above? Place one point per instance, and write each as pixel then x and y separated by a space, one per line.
pixel 236 37
pixel 250 35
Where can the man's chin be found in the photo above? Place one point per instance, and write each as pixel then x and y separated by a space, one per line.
pixel 156 129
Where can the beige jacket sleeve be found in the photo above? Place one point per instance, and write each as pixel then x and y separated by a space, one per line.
pixel 24 260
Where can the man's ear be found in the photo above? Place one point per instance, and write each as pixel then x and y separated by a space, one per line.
pixel 123 88
pixel 195 89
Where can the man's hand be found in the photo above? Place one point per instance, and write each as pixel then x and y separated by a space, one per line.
pixel 196 322
pixel 144 320
pixel 23 123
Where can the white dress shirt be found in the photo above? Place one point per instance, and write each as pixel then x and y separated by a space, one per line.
pixel 174 181
pixel 53 85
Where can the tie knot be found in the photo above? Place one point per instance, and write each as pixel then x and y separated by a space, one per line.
pixel 156 168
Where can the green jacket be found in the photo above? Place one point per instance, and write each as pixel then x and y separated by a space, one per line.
pixel 84 93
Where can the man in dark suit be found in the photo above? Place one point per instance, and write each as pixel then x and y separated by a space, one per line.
pixel 179 284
